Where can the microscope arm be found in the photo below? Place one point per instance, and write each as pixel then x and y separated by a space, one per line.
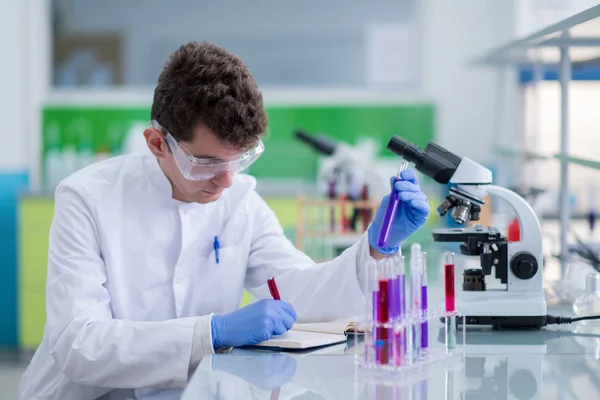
pixel 529 225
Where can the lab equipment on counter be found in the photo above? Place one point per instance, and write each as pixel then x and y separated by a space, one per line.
pixel 518 265
pixel 352 167
pixel 314 235
pixel 393 335
pixel 589 302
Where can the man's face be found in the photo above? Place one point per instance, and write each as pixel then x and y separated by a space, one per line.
pixel 204 145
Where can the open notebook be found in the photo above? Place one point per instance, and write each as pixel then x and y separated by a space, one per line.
pixel 306 336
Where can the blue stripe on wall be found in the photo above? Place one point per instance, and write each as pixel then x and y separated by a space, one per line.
pixel 588 73
pixel 11 184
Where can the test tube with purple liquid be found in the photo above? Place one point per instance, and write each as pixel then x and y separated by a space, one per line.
pixel 424 307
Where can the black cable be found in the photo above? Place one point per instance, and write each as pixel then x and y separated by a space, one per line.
pixel 551 319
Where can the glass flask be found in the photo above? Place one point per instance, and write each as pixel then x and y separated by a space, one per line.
pixel 589 302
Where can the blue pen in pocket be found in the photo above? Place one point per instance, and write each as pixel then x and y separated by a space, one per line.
pixel 216 246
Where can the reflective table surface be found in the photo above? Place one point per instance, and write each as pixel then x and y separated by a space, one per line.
pixel 547 364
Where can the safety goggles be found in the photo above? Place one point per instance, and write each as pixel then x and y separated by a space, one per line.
pixel 202 169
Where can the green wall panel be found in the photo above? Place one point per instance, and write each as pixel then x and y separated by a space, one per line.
pixel 104 129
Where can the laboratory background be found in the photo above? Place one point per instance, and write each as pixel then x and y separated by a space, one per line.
pixel 512 86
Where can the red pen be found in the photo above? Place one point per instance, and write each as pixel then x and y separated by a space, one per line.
pixel 273 288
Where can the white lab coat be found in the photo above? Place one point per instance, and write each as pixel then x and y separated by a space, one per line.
pixel 133 282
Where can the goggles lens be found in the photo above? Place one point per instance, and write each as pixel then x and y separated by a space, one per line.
pixel 202 169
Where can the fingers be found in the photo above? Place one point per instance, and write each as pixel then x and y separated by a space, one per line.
pixel 409 197
pixel 279 328
pixel 287 320
pixel 416 200
pixel 409 175
pixel 407 186
pixel 288 308
pixel 286 316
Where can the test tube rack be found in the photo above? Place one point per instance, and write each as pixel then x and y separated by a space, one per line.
pixel 399 351
pixel 323 225
pixel 397 322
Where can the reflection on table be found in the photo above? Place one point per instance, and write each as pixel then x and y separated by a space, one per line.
pixel 551 363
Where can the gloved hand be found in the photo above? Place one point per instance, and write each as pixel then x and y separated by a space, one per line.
pixel 252 324
pixel 412 213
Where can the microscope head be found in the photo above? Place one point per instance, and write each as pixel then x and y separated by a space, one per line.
pixel 469 179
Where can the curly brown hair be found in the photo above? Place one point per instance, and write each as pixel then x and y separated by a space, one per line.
pixel 202 83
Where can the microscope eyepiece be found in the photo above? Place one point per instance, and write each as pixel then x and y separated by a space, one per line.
pixel 435 161
pixel 405 149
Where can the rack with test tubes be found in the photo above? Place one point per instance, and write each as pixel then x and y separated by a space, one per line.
pixel 397 321
pixel 325 227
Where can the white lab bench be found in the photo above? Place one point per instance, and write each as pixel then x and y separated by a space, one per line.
pixel 552 363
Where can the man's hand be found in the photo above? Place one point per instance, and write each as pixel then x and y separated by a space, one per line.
pixel 412 214
pixel 252 324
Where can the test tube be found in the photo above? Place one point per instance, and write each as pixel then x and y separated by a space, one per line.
pixel 390 211
pixel 449 385
pixel 401 340
pixel 424 307
pixel 416 260
pixel 450 320
pixel 382 339
pixel 343 214
pixel 374 285
pixel 394 302
pixel 449 281
pixel 332 194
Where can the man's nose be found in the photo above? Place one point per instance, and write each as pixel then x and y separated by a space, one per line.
pixel 224 180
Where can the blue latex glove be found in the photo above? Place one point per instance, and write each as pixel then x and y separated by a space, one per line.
pixel 412 213
pixel 252 324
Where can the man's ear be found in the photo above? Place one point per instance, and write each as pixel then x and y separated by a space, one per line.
pixel 155 142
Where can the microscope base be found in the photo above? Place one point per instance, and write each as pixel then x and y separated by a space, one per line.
pixel 503 309
pixel 521 322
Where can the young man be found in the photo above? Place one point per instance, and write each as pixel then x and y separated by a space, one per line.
pixel 149 254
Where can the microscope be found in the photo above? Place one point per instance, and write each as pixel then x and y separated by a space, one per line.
pixel 352 165
pixel 520 303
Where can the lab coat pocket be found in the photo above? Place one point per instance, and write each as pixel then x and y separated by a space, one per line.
pixel 219 285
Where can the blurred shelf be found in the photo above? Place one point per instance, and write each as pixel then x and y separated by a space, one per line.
pixel 333 236
pixel 273 96
pixel 526 155
pixel 543 47
pixel 590 163
pixel 594 164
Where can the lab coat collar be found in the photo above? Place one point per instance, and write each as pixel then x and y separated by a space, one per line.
pixel 158 177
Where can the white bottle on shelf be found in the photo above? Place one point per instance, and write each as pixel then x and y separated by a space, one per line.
pixel 53 164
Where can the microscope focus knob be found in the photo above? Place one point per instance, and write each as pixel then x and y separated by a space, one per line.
pixel 524 265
